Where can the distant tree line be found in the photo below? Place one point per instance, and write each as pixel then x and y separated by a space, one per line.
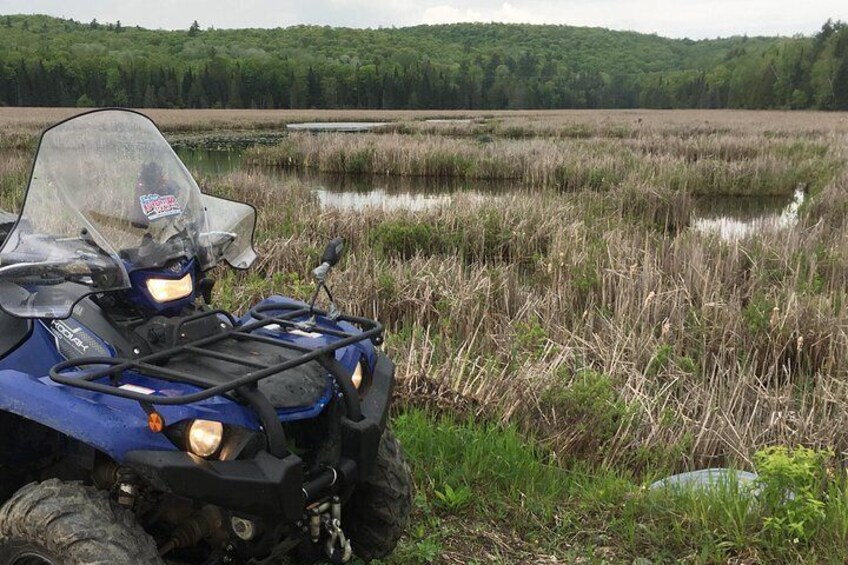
pixel 52 62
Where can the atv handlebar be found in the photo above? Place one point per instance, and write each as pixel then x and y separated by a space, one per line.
pixel 72 263
pixel 80 270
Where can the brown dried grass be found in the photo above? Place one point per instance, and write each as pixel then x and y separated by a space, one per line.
pixel 712 349
pixel 675 122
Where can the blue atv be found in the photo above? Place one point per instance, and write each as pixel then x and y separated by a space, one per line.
pixel 140 424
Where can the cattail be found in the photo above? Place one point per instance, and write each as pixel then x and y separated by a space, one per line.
pixel 775 316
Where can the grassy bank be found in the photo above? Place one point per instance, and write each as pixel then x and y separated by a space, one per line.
pixel 485 494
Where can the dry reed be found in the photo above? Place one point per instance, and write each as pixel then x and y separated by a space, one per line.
pixel 738 165
pixel 701 351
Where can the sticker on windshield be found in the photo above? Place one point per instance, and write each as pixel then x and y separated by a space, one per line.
pixel 155 206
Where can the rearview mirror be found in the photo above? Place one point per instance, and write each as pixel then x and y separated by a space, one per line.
pixel 331 256
pixel 333 252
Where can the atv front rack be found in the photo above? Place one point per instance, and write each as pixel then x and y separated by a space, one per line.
pixel 83 372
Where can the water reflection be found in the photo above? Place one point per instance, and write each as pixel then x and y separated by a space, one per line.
pixel 734 218
pixel 343 127
pixel 356 191
pixel 465 121
pixel 209 162
pixel 396 193
pixel 379 198
pixel 730 217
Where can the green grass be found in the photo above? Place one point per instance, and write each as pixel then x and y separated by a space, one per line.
pixel 481 480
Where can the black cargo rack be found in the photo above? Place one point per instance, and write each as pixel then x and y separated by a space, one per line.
pixel 245 385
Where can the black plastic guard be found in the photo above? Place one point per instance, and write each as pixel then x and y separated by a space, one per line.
pixel 263 486
pixel 13 332
pixel 375 403
pixel 293 388
pixel 360 440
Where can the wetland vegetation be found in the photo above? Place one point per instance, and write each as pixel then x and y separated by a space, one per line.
pixel 566 341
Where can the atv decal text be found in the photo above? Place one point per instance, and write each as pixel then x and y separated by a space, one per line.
pixel 69 334
pixel 157 206
pixel 74 341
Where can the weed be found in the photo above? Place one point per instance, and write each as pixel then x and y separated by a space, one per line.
pixel 453 499
pixel 758 314
pixel 531 338
pixel 792 490
pixel 587 407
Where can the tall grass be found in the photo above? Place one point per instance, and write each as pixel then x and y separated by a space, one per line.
pixel 530 309
pixel 15 167
pixel 732 165
pixel 522 123
pixel 721 152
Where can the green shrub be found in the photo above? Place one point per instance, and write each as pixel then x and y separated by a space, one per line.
pixel 405 239
pixel 757 314
pixel 359 162
pixel 530 338
pixel 659 360
pixel 792 483
pixel 588 406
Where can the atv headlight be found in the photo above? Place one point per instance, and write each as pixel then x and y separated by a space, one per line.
pixel 204 437
pixel 167 290
pixel 358 375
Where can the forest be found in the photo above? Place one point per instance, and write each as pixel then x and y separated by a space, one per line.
pixel 46 61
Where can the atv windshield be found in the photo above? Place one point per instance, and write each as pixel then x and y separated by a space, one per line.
pixel 108 196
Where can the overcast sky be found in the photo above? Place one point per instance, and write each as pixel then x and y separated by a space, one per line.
pixel 671 18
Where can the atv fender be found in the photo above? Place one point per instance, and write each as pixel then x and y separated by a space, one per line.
pixel 93 423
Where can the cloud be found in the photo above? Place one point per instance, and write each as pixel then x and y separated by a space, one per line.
pixel 506 13
pixel 444 14
pixel 510 14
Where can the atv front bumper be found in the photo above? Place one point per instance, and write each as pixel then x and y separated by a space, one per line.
pixel 269 486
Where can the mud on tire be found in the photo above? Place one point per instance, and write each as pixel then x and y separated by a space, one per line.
pixel 68 523
pixel 378 512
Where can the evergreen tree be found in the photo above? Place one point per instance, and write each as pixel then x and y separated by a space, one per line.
pixel 150 100
pixel 840 77
pixel 314 93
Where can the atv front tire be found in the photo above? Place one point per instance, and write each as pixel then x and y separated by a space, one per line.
pixel 378 511
pixel 66 523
